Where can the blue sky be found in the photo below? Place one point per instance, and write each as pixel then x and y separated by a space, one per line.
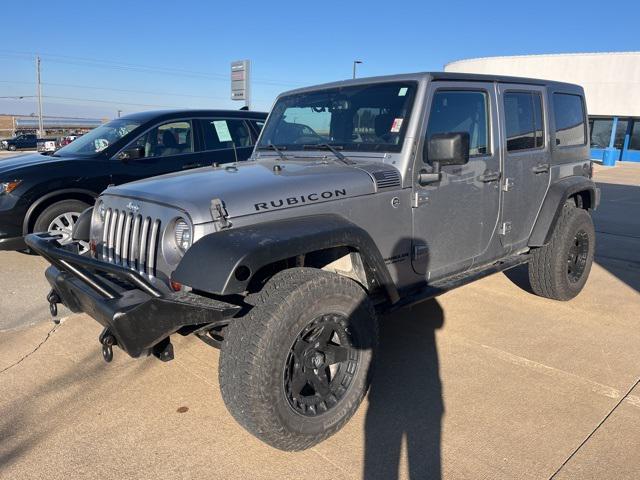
pixel 98 57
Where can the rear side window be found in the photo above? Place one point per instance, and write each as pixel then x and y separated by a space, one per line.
pixel 461 111
pixel 523 120
pixel 569 115
pixel 225 133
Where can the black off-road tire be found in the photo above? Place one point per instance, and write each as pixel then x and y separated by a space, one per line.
pixel 259 346
pixel 553 271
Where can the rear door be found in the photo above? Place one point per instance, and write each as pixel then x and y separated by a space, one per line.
pixel 525 143
pixel 225 140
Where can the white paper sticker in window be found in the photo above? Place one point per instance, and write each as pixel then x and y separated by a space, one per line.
pixel 396 125
pixel 222 129
pixel 402 92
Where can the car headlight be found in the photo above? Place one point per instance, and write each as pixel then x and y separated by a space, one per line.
pixel 182 234
pixel 8 187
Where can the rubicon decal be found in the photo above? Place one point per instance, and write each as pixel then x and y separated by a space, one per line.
pixel 300 199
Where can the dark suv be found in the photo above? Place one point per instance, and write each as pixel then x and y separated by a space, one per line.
pixel 20 142
pixel 48 193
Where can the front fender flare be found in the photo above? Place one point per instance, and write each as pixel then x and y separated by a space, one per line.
pixel 553 203
pixel 211 263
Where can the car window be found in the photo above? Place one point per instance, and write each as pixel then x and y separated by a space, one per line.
pixel 461 111
pixel 225 133
pixel 523 120
pixel 569 116
pixel 172 138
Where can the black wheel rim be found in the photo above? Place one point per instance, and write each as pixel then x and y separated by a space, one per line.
pixel 320 365
pixel 577 258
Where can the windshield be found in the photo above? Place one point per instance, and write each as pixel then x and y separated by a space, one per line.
pixel 99 138
pixel 371 118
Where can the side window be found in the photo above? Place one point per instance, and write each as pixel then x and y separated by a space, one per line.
pixel 569 115
pixel 221 133
pixel 257 127
pixel 523 120
pixel 461 111
pixel 172 138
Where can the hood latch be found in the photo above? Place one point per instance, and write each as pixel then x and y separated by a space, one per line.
pixel 219 213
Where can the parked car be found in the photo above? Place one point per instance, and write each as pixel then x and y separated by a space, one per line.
pixel 363 196
pixel 47 146
pixel 48 193
pixel 21 142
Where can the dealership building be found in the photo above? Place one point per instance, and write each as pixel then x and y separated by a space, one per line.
pixel 611 82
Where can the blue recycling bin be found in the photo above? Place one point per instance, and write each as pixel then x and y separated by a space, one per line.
pixel 610 156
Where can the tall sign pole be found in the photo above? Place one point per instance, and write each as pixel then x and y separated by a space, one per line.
pixel 240 82
pixel 39 95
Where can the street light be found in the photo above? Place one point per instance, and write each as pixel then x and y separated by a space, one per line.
pixel 355 62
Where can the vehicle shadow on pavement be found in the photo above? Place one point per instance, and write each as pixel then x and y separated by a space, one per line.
pixel 405 398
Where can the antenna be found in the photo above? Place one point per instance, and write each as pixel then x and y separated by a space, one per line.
pixel 235 152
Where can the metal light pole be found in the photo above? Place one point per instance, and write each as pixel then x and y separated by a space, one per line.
pixel 355 62
pixel 39 95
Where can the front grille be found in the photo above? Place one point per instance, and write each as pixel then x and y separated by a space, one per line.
pixel 130 240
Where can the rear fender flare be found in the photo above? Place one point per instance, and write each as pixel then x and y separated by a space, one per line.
pixel 553 203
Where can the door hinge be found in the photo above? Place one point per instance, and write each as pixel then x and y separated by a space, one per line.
pixel 219 213
pixel 420 198
pixel 508 184
pixel 505 228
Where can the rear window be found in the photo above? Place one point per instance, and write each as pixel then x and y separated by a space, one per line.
pixel 569 115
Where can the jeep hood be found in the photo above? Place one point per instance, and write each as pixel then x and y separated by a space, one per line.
pixel 252 187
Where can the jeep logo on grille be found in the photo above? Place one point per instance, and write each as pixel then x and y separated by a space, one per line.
pixel 134 207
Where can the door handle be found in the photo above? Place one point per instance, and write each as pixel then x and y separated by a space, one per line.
pixel 541 168
pixel 489 177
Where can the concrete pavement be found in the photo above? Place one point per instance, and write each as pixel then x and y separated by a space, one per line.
pixel 488 381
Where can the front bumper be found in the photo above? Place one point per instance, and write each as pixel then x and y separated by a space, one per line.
pixel 135 313
pixel 14 243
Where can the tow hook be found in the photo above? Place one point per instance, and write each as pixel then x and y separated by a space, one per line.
pixel 54 299
pixel 163 351
pixel 108 341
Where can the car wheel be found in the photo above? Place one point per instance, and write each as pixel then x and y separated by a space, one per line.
pixel 560 269
pixel 295 368
pixel 59 219
pixel 11 148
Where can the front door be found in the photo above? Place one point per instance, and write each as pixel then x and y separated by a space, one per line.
pixel 455 218
pixel 526 160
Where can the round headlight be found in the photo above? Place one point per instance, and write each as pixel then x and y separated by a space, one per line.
pixel 182 233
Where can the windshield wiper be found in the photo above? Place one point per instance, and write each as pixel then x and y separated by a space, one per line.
pixel 278 150
pixel 332 148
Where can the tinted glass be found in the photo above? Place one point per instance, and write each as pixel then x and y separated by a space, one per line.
pixel 621 132
pixel 634 142
pixel 601 132
pixel 371 117
pixel 461 111
pixel 569 116
pixel 173 138
pixel 99 138
pixel 523 120
pixel 221 133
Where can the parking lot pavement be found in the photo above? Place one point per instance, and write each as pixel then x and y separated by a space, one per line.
pixel 487 381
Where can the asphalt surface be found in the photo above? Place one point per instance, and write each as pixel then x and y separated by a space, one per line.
pixel 487 381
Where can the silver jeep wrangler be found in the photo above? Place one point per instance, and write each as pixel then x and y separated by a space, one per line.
pixel 361 197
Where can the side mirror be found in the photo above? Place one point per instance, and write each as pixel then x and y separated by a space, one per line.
pixel 130 154
pixel 448 149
